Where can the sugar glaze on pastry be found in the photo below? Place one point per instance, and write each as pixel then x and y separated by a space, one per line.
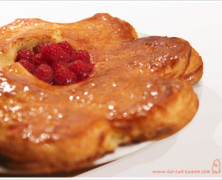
pixel 140 89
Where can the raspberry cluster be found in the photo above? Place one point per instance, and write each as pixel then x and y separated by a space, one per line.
pixel 56 63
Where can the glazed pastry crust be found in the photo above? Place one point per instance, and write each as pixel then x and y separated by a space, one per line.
pixel 103 36
pixel 134 94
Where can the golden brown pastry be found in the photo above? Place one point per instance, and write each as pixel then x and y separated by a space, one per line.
pixel 134 94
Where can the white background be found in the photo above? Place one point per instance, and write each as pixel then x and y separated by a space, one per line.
pixel 198 144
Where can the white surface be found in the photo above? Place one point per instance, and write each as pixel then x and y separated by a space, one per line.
pixel 197 145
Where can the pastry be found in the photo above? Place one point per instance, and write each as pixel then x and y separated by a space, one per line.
pixel 137 90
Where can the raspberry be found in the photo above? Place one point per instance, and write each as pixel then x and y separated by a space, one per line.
pixel 44 72
pixel 27 65
pixel 81 55
pixel 58 65
pixel 80 68
pixel 24 54
pixel 52 52
pixel 66 47
pixel 64 76
pixel 37 60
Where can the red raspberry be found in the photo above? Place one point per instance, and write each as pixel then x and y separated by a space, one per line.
pixel 27 65
pixel 44 72
pixel 58 65
pixel 81 55
pixel 24 54
pixel 53 63
pixel 66 47
pixel 52 52
pixel 37 60
pixel 80 68
pixel 64 76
